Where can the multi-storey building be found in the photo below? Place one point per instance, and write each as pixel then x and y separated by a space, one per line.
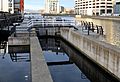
pixel 19 6
pixel 52 6
pixel 117 7
pixel 12 6
pixel 94 7
pixel 62 9
pixel 7 6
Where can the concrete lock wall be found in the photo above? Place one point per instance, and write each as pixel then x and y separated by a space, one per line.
pixel 48 31
pixel 40 71
pixel 106 55
pixel 18 41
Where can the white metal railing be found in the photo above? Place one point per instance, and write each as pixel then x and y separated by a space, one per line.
pixel 51 22
pixel 30 23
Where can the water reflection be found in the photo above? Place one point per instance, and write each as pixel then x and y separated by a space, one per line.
pixel 60 65
pixel 3 47
pixel 111 29
pixel 19 53
pixel 69 72
pixel 14 66
pixel 89 68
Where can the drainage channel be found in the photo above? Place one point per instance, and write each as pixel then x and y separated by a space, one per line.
pixel 67 64
pixel 14 63
pixel 61 67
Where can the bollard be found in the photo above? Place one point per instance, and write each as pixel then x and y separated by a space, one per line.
pixel 92 25
pixel 101 30
pixel 97 29
pixel 86 26
pixel 81 23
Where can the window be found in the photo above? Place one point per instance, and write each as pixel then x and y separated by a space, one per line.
pixel 16 1
pixel 109 11
pixel 109 3
pixel 10 4
pixel 109 6
pixel 97 6
pixel 102 11
pixel 102 6
pixel 102 2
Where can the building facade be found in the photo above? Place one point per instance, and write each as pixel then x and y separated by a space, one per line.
pixel 62 9
pixel 12 6
pixel 117 8
pixel 52 6
pixel 94 7
pixel 19 6
pixel 69 11
pixel 7 6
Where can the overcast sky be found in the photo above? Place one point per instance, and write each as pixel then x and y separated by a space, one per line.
pixel 39 4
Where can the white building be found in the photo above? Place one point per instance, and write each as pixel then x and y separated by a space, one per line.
pixel 52 6
pixel 94 7
pixel 7 6
pixel 117 7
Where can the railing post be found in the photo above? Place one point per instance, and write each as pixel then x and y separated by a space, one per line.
pixel 43 22
pixel 97 29
pixel 63 22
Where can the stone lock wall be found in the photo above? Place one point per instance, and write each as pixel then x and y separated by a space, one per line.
pixel 106 55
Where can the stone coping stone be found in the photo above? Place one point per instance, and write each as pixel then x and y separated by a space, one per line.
pixel 39 68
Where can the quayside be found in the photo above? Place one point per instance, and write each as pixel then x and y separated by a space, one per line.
pixel 67 64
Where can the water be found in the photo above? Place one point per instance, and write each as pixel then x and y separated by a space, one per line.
pixel 66 64
pixel 15 65
pixel 111 29
pixel 61 67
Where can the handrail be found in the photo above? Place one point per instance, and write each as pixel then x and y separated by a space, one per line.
pixel 52 22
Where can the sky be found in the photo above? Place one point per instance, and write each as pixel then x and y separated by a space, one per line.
pixel 39 4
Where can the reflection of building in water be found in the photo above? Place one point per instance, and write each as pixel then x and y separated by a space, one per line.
pixel 20 57
pixel 52 6
pixel 19 53
pixel 89 68
pixel 3 46
pixel 50 44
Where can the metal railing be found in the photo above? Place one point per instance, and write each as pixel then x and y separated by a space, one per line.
pixel 51 22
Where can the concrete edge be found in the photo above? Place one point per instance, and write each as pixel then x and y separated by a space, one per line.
pixel 105 69
pixel 39 68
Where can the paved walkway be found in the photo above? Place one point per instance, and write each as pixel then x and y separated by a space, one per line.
pixel 91 34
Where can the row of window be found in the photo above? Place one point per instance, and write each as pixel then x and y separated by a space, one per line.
pixel 94 7
pixel 101 11
pixel 88 5
pixel 97 7
pixel 94 3
pixel 93 0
